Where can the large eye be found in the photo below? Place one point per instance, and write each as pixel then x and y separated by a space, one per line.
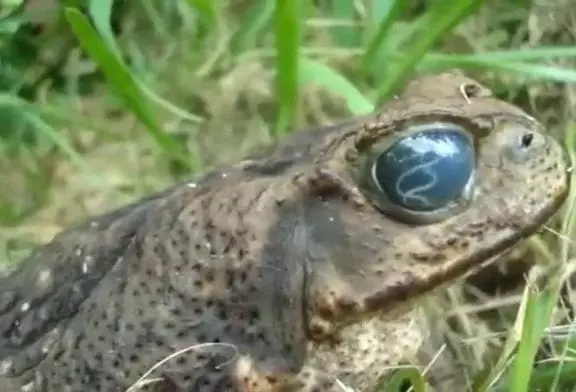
pixel 426 170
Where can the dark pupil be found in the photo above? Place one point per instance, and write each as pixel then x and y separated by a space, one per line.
pixel 426 170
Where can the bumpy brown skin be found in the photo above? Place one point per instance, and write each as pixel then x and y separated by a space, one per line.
pixel 283 260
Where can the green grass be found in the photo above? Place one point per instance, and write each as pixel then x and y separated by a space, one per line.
pixel 95 118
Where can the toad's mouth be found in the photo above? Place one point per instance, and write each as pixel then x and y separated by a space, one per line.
pixel 411 287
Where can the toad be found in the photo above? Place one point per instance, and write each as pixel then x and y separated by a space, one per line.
pixel 300 269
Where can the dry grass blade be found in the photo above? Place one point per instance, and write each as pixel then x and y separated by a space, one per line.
pixel 143 380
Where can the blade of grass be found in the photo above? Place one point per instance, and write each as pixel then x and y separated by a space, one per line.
pixel 535 71
pixel 101 13
pixel 157 20
pixel 489 377
pixel 443 16
pixel 344 11
pixel 11 25
pixel 539 308
pixel 8 7
pixel 124 85
pixel 315 72
pixel 539 71
pixel 569 222
pixel 521 55
pixel 523 339
pixel 258 18
pixel 564 370
pixel 397 382
pixel 60 141
pixel 169 106
pixel 288 18
pixel 568 225
pixel 556 368
pixel 554 377
pixel 395 9
pixel 58 113
pixel 207 9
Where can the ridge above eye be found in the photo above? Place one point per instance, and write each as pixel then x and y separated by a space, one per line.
pixel 429 168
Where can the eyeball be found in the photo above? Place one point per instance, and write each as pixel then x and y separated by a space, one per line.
pixel 425 171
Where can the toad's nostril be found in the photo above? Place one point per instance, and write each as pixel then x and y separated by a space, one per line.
pixel 527 139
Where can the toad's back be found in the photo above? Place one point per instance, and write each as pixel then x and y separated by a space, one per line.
pixel 106 300
pixel 281 272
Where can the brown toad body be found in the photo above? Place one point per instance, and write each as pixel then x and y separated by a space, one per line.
pixel 287 272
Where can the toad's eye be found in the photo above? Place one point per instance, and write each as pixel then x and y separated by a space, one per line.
pixel 425 170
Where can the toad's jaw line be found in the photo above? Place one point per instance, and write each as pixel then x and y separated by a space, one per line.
pixel 414 287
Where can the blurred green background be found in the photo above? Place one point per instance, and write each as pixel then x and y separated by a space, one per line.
pixel 105 101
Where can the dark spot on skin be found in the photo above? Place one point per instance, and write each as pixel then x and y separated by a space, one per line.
pixel 451 241
pixel 527 139
pixel 471 90
pixel 477 225
pixel 420 257
pixel 439 257
pixel 478 234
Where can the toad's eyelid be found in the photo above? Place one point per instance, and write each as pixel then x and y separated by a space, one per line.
pixel 418 128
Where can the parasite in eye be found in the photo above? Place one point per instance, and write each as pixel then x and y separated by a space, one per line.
pixel 425 171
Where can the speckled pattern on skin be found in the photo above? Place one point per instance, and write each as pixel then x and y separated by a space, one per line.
pixel 283 259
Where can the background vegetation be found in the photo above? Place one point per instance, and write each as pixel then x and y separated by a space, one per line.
pixel 104 101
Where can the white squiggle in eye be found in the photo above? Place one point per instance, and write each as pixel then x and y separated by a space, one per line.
pixel 426 170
